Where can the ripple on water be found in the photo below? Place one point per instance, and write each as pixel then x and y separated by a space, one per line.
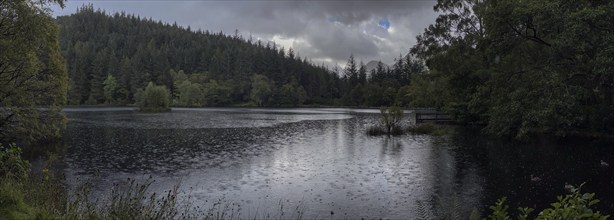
pixel 259 157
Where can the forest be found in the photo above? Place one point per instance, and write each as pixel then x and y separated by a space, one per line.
pixel 512 69
pixel 110 57
pixel 519 68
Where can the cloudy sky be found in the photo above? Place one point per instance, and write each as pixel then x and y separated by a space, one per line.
pixel 324 31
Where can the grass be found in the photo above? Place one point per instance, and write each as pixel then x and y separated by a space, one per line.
pixel 48 198
pixel 25 196
pixel 129 200
pixel 31 198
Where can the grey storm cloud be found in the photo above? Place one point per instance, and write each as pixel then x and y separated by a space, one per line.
pixel 323 31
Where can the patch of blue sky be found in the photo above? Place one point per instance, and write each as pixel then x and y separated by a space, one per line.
pixel 384 23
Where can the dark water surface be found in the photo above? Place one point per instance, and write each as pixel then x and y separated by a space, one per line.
pixel 321 160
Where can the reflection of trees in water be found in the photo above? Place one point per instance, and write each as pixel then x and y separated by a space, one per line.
pixel 449 176
pixel 456 187
pixel 391 145
pixel 504 168
pixel 391 149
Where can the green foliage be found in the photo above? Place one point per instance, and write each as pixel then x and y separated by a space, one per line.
pixel 26 196
pixel 372 95
pixel 11 164
pixel 350 72
pixel 403 97
pixel 32 72
pixel 33 198
pixel 301 95
pixel 110 89
pixel 389 95
pixel 390 122
pixel 129 200
pixel 575 205
pixel 427 91
pixel 522 68
pixel 262 90
pixel 217 93
pixel 190 94
pixel 153 98
pixel 73 99
pixel 499 210
pixel 137 51
pixel 292 94
pixel 391 118
pixel 91 100
pixel 356 95
pixel 14 206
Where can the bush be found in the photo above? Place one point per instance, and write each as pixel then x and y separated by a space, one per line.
pixel 11 164
pixel 153 98
pixel 190 94
pixel 389 122
pixel 13 205
pixel 572 206
pixel 24 196
pixel 391 118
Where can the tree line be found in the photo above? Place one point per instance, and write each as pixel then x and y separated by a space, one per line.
pixel 111 57
pixel 516 68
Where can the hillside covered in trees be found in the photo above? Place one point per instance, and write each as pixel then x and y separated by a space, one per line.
pixel 111 57
pixel 515 68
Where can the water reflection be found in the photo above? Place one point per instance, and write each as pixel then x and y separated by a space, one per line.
pixel 321 157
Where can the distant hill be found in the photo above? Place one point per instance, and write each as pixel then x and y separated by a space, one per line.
pixel 111 58
pixel 135 51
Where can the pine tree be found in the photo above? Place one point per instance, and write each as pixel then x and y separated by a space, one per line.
pixel 350 72
pixel 362 74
